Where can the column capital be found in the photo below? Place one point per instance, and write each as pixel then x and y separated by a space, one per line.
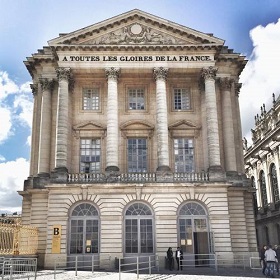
pixel 160 73
pixel 237 87
pixel 225 83
pixel 46 84
pixel 209 73
pixel 34 88
pixel 63 73
pixel 112 73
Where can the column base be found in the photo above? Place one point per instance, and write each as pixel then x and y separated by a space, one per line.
pixel 216 173
pixel 163 168
pixel 112 169
pixel 59 175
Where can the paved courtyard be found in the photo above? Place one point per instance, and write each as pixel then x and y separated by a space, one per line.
pixel 193 274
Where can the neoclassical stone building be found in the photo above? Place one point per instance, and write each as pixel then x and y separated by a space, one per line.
pixel 262 165
pixel 136 144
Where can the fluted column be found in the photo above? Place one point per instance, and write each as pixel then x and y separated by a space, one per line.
pixel 209 75
pixel 34 88
pixel 161 119
pixel 45 127
pixel 112 149
pixel 228 132
pixel 63 75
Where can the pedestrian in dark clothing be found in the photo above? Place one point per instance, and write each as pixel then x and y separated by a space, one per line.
pixel 179 257
pixel 262 258
pixel 277 251
pixel 170 258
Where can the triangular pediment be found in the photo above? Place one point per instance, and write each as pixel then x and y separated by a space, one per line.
pixel 137 125
pixel 183 125
pixel 88 125
pixel 135 28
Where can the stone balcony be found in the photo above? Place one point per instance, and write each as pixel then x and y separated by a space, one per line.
pixel 92 178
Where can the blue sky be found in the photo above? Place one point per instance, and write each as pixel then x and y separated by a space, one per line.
pixel 250 27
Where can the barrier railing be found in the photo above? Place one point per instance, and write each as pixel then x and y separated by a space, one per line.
pixel 16 239
pixel 16 268
pixel 138 263
pixel 77 264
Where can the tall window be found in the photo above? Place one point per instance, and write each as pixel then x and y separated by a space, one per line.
pixel 90 155
pixel 91 99
pixel 263 189
pixel 84 229
pixel 181 99
pixel 194 236
pixel 139 229
pixel 137 154
pixel 136 99
pixel 184 155
pixel 274 183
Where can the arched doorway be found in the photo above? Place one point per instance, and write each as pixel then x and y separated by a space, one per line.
pixel 194 235
pixel 139 229
pixel 83 233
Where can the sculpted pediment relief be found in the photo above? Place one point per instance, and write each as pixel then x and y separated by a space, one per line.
pixel 135 28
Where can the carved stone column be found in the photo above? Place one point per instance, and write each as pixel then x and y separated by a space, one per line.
pixel 33 169
pixel 63 75
pixel 161 119
pixel 45 127
pixel 209 74
pixel 228 132
pixel 112 149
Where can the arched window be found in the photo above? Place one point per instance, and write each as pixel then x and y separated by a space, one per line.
pixel 194 235
pixel 263 189
pixel 255 203
pixel 139 233
pixel 84 229
pixel 274 183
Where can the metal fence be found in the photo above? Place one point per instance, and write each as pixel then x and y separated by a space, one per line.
pixel 17 268
pixel 16 239
pixel 138 264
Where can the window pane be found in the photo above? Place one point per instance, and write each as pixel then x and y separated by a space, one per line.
pixel 274 183
pixel 181 97
pixel 90 155
pixel 137 155
pixel 263 189
pixel 136 99
pixel 184 155
pixel 91 99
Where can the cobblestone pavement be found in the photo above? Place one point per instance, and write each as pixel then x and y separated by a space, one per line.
pixel 190 274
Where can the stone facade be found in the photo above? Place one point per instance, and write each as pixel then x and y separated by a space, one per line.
pixel 136 144
pixel 262 167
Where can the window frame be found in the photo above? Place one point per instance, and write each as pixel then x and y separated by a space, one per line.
pixel 98 109
pixel 188 92
pixel 84 219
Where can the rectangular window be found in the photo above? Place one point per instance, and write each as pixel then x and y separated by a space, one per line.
pixel 137 154
pixel 184 155
pixel 91 99
pixel 181 99
pixel 136 99
pixel 90 155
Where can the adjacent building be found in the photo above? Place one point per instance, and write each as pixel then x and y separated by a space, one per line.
pixel 137 144
pixel 262 167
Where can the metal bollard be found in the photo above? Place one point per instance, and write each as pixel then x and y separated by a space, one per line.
pixel 76 265
pixel 137 268
pixel 92 263
pixel 150 268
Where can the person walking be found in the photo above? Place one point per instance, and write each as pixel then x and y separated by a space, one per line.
pixel 179 258
pixel 262 258
pixel 270 258
pixel 170 258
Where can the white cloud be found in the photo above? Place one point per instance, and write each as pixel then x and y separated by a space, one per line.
pixel 5 123
pixel 12 176
pixel 260 77
pixel 2 158
pixel 15 106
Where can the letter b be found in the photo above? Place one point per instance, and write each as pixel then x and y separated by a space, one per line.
pixel 56 231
